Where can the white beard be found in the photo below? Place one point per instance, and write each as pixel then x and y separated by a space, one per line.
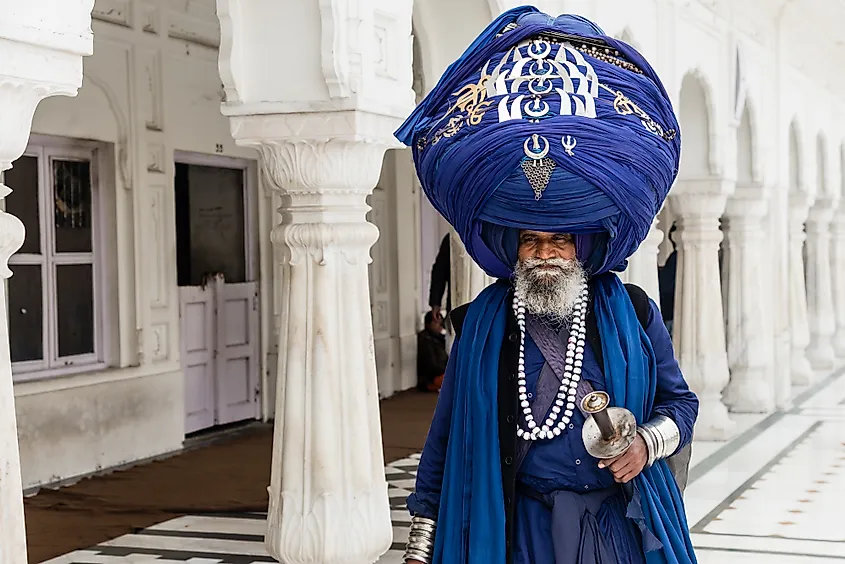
pixel 551 292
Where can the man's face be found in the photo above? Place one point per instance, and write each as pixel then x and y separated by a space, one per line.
pixel 548 277
pixel 545 246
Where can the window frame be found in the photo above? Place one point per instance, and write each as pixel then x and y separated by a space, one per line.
pixel 46 150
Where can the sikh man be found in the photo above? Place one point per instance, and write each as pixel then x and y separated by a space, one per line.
pixel 550 148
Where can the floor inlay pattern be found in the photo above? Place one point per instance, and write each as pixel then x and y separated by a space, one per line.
pixel 772 495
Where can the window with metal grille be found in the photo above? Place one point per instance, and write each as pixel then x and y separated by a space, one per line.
pixel 53 296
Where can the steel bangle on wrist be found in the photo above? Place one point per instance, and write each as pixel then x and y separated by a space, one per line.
pixel 661 436
pixel 420 545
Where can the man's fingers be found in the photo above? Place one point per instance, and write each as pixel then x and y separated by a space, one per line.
pixel 609 461
pixel 621 462
pixel 628 476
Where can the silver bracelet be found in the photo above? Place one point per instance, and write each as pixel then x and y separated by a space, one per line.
pixel 420 545
pixel 661 436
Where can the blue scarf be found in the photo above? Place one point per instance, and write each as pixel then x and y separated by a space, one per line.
pixel 471 522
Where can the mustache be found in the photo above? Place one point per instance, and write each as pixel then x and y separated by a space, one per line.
pixel 562 264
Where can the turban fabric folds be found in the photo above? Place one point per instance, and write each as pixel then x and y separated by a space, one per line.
pixel 546 124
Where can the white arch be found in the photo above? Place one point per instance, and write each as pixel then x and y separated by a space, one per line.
pixel 696 121
pixel 745 138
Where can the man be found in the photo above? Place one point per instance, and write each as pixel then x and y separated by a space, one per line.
pixel 550 148
pixel 441 279
pixel 666 277
pixel 431 354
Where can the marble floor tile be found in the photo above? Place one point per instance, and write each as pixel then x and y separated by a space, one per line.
pixel 774 494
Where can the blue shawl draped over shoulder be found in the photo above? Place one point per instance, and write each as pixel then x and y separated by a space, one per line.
pixel 471 521
pixel 613 137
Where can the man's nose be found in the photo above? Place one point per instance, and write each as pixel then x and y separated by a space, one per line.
pixel 546 252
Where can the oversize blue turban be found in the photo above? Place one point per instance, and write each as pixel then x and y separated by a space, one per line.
pixel 546 124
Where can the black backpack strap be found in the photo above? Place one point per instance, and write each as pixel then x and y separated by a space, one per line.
pixel 641 306
pixel 641 303
pixel 456 318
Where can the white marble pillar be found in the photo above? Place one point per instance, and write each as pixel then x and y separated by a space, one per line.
pixel 802 372
pixel 41 48
pixel 12 534
pixel 777 249
pixel 699 329
pixel 820 286
pixel 838 262
pixel 642 266
pixel 467 280
pixel 751 388
pixel 328 495
pixel 322 122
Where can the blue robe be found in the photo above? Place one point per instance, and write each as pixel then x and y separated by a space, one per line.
pixel 562 464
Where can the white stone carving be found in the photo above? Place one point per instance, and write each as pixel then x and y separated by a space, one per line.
pixel 230 60
pixel 153 102
pixel 161 348
pixel 41 48
pixel 156 157
pixel 820 290
pixel 363 45
pixel 150 17
pixel 699 330
pixel 156 247
pixel 802 372
pixel 113 11
pixel 751 388
pixel 192 30
pixel 328 494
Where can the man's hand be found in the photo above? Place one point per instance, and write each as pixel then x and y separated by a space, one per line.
pixel 628 466
pixel 435 311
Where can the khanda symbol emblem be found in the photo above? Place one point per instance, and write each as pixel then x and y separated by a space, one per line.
pixel 569 143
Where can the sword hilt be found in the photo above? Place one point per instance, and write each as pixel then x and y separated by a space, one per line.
pixel 595 403
pixel 609 431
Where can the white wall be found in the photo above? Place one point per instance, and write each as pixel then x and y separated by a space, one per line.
pixel 148 93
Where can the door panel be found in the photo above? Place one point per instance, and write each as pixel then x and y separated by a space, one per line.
pixel 196 307
pixel 237 346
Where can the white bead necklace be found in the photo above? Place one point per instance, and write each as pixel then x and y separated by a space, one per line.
pixel 565 400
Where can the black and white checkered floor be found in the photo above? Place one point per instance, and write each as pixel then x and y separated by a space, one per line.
pixel 770 495
pixel 231 538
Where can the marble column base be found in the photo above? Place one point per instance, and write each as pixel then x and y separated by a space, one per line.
pixel 750 391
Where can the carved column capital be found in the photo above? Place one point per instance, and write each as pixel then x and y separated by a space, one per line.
pixel 18 100
pixel 821 214
pixel 307 168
